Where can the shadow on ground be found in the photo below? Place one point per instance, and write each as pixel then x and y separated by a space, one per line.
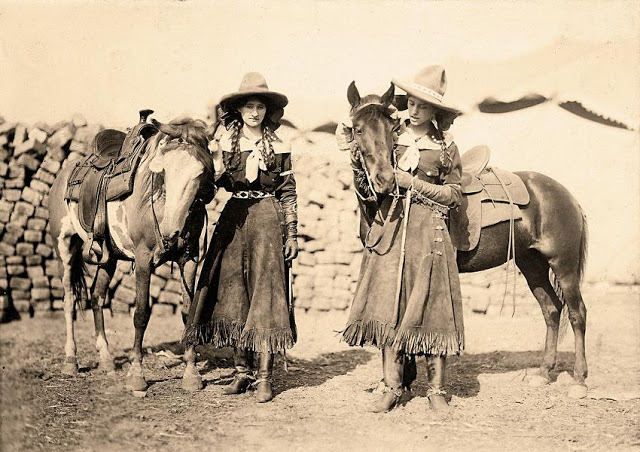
pixel 301 372
pixel 462 371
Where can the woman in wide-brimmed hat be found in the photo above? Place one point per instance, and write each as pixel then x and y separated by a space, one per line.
pixel 429 311
pixel 242 298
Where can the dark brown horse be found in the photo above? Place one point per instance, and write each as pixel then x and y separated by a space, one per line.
pixel 160 221
pixel 552 234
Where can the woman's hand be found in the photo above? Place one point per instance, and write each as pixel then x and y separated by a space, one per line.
pixel 403 178
pixel 216 155
pixel 290 249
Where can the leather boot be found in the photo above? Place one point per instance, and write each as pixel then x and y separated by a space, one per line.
pixel 392 367
pixel 435 392
pixel 264 391
pixel 243 378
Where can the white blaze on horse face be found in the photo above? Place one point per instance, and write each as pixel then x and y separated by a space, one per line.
pixel 181 176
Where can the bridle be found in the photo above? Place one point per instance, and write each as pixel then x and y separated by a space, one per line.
pixel 369 244
pixel 198 202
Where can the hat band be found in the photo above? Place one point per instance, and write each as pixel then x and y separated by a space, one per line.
pixel 428 91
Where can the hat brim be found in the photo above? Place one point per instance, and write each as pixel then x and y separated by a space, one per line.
pixel 407 87
pixel 276 100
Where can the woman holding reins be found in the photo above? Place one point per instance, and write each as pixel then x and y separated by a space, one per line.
pixel 426 317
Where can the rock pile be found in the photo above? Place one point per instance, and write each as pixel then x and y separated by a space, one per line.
pixel 32 155
pixel 325 272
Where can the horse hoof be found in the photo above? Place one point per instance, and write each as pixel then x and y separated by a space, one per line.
pixel 577 391
pixel 136 383
pixel 70 366
pixel 537 381
pixel 192 383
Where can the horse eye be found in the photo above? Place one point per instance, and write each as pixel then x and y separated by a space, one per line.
pixel 358 130
pixel 180 140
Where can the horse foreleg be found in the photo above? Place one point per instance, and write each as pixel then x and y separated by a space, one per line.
pixel 191 380
pixel 98 300
pixel 536 271
pixel 135 377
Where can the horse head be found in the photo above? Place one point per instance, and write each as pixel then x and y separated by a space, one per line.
pixel 182 157
pixel 373 130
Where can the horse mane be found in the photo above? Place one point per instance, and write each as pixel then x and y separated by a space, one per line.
pixel 370 108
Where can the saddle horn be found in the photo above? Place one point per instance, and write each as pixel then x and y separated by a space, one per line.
pixel 144 114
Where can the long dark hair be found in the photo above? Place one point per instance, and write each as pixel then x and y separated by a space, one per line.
pixel 233 121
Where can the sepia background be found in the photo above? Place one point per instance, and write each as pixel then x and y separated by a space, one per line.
pixel 552 87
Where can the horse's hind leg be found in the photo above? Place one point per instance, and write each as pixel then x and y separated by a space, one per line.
pixel 535 269
pixel 191 380
pixel 578 318
pixel 69 251
pixel 98 300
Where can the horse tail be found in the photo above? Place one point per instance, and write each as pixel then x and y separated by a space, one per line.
pixel 78 272
pixel 582 253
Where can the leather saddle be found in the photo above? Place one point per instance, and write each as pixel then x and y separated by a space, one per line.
pixel 105 175
pixel 490 196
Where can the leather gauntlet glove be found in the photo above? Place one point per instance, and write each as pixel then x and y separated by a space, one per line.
pixel 448 195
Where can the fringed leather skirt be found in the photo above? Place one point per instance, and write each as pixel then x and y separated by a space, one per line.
pixel 426 316
pixel 241 295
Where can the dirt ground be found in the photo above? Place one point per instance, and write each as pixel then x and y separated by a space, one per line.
pixel 321 401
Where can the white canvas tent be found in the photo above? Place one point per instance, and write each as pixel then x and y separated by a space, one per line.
pixel 599 164
pixel 604 79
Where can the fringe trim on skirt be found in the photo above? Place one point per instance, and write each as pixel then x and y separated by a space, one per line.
pixel 418 342
pixel 227 333
pixel 370 332
pixel 414 341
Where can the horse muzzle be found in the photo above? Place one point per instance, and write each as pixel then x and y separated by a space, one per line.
pixel 383 182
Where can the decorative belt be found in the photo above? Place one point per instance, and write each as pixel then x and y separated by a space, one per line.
pixel 440 210
pixel 251 194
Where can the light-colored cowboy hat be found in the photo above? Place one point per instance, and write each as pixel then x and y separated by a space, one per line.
pixel 254 84
pixel 429 85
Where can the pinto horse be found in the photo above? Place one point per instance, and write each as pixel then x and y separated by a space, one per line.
pixel 552 234
pixel 160 221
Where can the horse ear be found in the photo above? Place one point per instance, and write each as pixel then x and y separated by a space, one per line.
pixel 387 97
pixel 169 129
pixel 353 95
pixel 157 163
